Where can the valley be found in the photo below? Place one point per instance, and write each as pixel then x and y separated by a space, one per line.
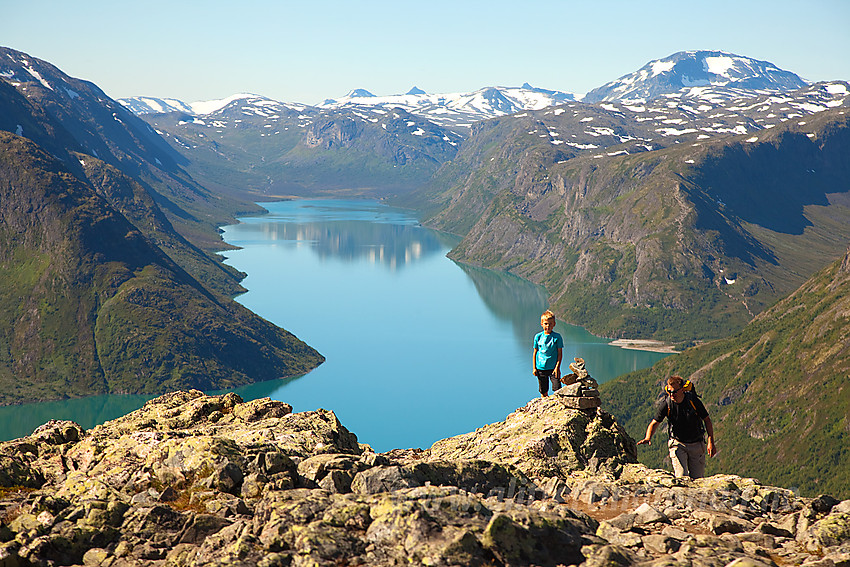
pixel 675 218
pixel 703 201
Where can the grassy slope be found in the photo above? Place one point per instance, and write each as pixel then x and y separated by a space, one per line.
pixel 137 205
pixel 778 391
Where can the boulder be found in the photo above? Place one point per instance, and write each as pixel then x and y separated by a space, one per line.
pixel 475 475
pixel 545 438
pixel 15 472
pixel 659 544
pixel 832 530
pixel 646 514
pixel 616 536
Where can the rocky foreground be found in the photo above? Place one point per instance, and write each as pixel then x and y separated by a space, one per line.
pixel 191 479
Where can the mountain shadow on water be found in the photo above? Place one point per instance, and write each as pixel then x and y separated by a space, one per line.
pixel 510 298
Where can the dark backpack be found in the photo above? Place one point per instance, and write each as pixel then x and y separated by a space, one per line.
pixel 690 395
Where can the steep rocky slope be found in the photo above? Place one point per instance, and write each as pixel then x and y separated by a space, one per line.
pixel 645 235
pixel 78 124
pixel 197 480
pixel 137 205
pixel 89 305
pixel 778 390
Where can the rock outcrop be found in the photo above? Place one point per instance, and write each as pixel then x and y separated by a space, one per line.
pixel 191 479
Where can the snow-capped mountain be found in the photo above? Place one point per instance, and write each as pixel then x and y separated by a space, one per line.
pixel 629 127
pixel 676 89
pixel 140 105
pixel 456 110
pixel 94 123
pixel 707 75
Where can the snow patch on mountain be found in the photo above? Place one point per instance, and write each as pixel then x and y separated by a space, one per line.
pixel 153 105
pixel 659 67
pixel 210 106
pixel 253 104
pixel 457 110
pixel 719 65
pixel 38 76
pixel 726 76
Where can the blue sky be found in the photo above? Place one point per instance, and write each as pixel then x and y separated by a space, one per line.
pixel 311 50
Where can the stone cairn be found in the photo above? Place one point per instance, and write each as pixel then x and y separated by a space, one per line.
pixel 580 390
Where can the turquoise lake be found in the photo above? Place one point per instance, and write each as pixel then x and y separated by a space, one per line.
pixel 418 347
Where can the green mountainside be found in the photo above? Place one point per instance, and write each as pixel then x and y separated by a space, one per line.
pixel 132 198
pixel 682 241
pixel 89 305
pixel 777 391
pixel 139 207
pixel 66 116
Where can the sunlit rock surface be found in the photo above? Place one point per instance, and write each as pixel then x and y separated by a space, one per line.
pixel 191 479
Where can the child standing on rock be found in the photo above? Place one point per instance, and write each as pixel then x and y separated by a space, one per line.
pixel 548 349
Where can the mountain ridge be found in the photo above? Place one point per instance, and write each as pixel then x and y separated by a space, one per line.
pixel 89 303
pixel 269 149
pixel 105 129
pixel 529 200
pixel 100 293
pixel 698 75
pixel 451 110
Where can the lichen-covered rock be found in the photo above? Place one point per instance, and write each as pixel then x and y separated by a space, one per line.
pixel 475 475
pixel 15 472
pixel 56 432
pixel 545 438
pixel 833 530
pixel 191 480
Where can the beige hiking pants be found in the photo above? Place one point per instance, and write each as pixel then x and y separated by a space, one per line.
pixel 688 458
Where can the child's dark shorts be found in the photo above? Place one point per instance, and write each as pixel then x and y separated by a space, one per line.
pixel 544 377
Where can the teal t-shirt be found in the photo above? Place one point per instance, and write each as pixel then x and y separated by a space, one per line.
pixel 547 349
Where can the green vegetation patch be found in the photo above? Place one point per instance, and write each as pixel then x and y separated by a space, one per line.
pixel 777 392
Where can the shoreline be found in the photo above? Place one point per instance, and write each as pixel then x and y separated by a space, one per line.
pixel 645 344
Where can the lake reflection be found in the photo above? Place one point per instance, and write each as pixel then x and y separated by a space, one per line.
pixel 418 347
pixel 389 244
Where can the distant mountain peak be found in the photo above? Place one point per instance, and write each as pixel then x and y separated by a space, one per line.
pixel 152 105
pixel 717 70
pixel 556 94
pixel 359 93
pixel 458 111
